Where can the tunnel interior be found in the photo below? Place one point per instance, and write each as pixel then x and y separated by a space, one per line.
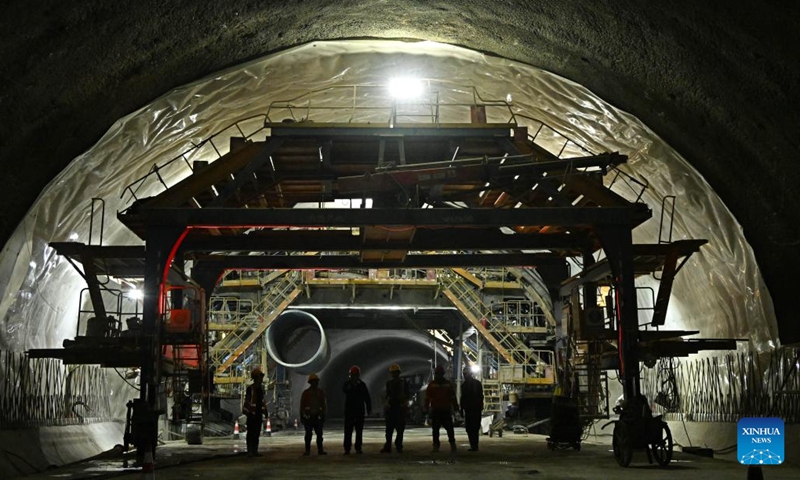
pixel 726 294
pixel 568 117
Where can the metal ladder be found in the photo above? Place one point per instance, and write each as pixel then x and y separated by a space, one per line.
pixel 250 327
pixel 467 300
pixel 492 398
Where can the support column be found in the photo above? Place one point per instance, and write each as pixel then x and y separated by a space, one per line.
pixel 592 324
pixel 160 245
pixel 458 352
pixel 618 246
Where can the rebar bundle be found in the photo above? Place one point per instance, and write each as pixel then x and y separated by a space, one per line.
pixel 43 392
pixel 727 388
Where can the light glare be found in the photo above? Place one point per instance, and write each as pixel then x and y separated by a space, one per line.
pixel 406 88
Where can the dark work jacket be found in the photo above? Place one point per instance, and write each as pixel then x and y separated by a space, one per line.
pixel 254 401
pixel 356 399
pixel 472 395
pixel 396 394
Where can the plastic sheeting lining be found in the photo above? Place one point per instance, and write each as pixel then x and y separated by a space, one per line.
pixel 719 292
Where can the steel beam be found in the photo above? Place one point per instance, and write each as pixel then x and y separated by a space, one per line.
pixel 272 262
pixel 423 240
pixel 246 174
pixel 629 217
pixel 618 244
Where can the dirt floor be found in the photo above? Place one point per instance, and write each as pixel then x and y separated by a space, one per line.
pixel 510 457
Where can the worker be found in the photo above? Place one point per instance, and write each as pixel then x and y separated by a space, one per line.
pixel 471 407
pixel 255 406
pixel 313 408
pixel 356 403
pixel 440 403
pixel 395 409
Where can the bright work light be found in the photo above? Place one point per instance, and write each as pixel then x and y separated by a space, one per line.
pixel 406 88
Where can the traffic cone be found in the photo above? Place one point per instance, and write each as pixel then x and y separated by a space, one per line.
pixel 236 430
pixel 268 428
pixel 148 468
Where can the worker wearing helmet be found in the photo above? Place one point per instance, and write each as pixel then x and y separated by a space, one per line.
pixel 255 406
pixel 356 403
pixel 395 409
pixel 313 409
pixel 472 407
pixel 441 402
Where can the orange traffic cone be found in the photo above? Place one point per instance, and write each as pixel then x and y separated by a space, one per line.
pixel 268 428
pixel 148 468
pixel 236 430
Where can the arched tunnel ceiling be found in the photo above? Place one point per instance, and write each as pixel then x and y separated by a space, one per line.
pixel 717 83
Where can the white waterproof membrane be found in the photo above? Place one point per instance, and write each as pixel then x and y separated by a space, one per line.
pixel 719 291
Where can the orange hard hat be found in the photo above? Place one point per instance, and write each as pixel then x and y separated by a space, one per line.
pixel 313 378
pixel 394 368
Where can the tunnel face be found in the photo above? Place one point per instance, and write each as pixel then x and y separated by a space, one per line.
pixel 716 84
pixel 373 351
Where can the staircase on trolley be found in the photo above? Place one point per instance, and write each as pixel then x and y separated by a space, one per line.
pixel 242 330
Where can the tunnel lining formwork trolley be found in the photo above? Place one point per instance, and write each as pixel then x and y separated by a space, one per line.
pixel 443 195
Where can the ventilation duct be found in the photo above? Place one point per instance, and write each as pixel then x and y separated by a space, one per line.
pixel 292 336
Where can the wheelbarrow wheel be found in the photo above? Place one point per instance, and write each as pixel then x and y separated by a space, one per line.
pixel 662 450
pixel 621 443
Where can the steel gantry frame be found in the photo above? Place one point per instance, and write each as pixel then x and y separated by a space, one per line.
pixel 444 195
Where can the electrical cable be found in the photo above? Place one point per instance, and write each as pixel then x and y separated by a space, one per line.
pixel 126 381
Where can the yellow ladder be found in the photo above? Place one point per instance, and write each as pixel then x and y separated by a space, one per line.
pixel 253 325
pixel 522 364
pixel 492 398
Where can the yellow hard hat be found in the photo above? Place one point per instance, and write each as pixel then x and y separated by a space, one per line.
pixel 257 372
pixel 394 368
pixel 313 377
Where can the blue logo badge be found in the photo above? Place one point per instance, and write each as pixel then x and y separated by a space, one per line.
pixel 760 441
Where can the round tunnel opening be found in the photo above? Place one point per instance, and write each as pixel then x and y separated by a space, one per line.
pixel 297 341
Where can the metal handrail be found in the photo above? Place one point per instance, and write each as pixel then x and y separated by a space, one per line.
pixel 567 140
pixel 154 170
pixel 304 102
pixel 628 179
pixel 661 238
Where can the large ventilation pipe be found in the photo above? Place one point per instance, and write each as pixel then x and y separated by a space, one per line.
pixel 297 341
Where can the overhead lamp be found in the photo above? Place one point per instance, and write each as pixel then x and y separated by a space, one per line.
pixel 406 88
pixel 136 294
pixel 475 369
